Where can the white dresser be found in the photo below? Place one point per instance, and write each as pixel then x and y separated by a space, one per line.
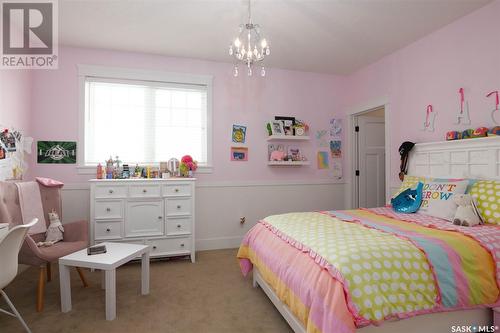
pixel 156 212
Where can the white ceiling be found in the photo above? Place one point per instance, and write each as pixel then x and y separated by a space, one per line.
pixel 332 36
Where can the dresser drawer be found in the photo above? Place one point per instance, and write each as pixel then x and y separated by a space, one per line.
pixel 110 191
pixel 169 246
pixel 108 209
pixel 178 206
pixel 108 230
pixel 177 190
pixel 179 226
pixel 144 191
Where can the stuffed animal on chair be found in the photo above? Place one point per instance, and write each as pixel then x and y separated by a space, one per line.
pixel 467 214
pixel 54 232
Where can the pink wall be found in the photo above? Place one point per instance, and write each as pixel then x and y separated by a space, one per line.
pixel 430 71
pixel 15 102
pixel 314 98
pixel 15 99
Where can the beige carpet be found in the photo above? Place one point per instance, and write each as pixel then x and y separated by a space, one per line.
pixel 208 296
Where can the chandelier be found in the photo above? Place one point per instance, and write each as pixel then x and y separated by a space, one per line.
pixel 249 47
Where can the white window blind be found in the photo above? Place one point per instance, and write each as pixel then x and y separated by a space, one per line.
pixel 144 122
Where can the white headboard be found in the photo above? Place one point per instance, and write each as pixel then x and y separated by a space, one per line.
pixel 469 158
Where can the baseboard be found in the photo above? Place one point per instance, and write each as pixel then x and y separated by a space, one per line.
pixel 218 243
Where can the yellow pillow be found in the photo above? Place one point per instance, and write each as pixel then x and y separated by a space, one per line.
pixel 487 193
pixel 410 181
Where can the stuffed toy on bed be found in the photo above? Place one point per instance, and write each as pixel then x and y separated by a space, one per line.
pixel 54 232
pixel 467 213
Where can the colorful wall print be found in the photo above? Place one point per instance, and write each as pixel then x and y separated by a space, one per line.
pixel 336 128
pixel 56 152
pixel 336 148
pixel 323 160
pixel 321 138
pixel 239 154
pixel 239 133
pixel 8 140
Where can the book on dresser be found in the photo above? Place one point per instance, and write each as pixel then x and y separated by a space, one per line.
pixel 155 212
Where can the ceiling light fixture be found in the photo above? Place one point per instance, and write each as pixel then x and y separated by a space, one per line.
pixel 249 47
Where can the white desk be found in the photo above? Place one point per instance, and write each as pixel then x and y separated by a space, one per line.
pixel 4 230
pixel 117 255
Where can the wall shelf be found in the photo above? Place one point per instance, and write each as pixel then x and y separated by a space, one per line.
pixel 287 163
pixel 288 137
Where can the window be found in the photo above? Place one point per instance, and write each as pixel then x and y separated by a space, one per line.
pixel 145 121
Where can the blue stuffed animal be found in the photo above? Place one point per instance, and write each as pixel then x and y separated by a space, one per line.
pixel 409 200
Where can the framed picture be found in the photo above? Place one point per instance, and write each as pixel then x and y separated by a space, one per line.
pixel 277 127
pixel 288 124
pixel 8 140
pixel 336 148
pixel 239 133
pixel 239 154
pixel 294 153
pixel 56 152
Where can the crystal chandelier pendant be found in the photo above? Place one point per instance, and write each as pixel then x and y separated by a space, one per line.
pixel 249 47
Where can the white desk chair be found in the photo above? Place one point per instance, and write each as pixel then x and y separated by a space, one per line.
pixel 9 250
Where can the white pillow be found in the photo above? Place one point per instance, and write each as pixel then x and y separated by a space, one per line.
pixel 437 197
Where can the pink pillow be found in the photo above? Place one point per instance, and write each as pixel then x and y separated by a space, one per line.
pixel 48 182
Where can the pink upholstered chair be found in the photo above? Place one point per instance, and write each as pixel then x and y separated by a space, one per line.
pixel 75 234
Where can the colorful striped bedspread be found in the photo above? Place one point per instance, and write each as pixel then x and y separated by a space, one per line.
pixel 341 270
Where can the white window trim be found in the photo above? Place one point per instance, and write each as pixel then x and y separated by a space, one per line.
pixel 118 73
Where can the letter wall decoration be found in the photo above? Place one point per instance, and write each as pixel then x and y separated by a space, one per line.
pixel 430 117
pixel 496 106
pixel 463 116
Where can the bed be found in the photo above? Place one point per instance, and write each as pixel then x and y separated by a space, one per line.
pixel 323 275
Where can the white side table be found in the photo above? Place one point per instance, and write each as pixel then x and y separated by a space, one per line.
pixel 117 255
pixel 4 230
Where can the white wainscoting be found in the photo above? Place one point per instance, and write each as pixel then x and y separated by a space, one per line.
pixel 220 205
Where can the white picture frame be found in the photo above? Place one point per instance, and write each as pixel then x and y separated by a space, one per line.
pixel 277 127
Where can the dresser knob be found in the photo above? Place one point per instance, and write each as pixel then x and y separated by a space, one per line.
pixel 108 209
pixel 108 230
pixel 110 191
pixel 178 206
pixel 154 247
pixel 179 226
pixel 176 190
pixel 144 191
pixel 160 217
pixel 182 245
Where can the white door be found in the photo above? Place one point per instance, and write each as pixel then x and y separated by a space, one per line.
pixel 144 218
pixel 371 161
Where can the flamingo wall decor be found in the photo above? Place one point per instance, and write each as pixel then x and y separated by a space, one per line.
pixel 463 115
pixel 496 105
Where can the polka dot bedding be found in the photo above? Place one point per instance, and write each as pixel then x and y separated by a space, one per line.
pixel 384 273
pixel 487 194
